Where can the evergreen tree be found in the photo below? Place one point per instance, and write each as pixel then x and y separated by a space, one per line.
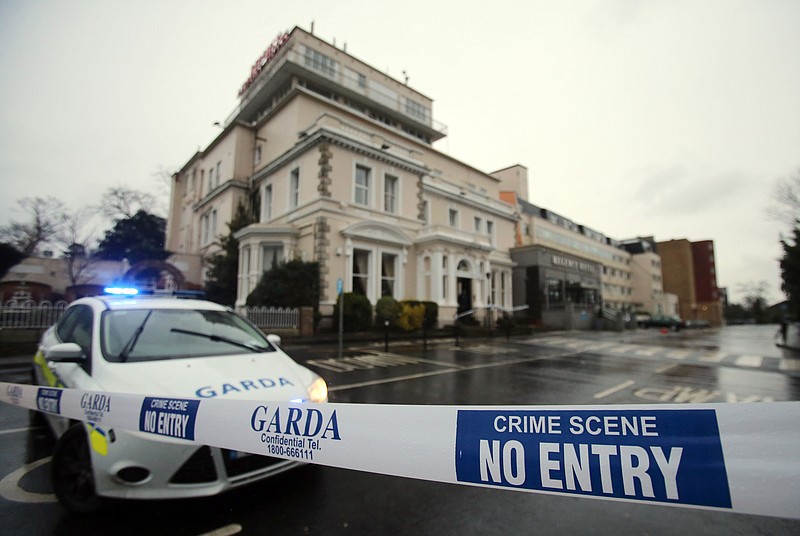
pixel 293 284
pixel 223 269
pixel 138 238
pixel 790 271
pixel 9 257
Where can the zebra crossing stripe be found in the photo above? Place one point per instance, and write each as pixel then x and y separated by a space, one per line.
pixel 754 361
pixel 679 354
pixel 715 357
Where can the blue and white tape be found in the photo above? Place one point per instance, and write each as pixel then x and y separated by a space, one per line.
pixel 742 458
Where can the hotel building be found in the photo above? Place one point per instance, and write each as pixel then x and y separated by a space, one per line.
pixel 336 160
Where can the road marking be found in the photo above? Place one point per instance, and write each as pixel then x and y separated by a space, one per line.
pixel 749 361
pixel 679 354
pixel 599 346
pixel 361 362
pixel 577 344
pixel 548 340
pixel 484 349
pixel 664 368
pixel 440 372
pixel 715 357
pixel 18 430
pixel 227 530
pixel 420 360
pixel 611 391
pixel 789 363
pixel 9 486
pixel 648 351
pixel 622 348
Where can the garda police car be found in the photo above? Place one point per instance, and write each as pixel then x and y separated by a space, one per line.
pixel 165 347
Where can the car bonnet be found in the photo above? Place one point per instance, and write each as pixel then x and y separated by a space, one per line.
pixel 264 376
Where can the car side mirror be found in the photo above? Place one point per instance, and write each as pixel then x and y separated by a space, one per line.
pixel 67 352
pixel 274 339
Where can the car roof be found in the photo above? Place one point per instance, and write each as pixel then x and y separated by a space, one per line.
pixel 150 302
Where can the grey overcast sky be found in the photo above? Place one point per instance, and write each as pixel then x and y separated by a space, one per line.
pixel 666 118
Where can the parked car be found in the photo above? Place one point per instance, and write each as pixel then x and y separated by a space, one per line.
pixel 663 321
pixel 160 346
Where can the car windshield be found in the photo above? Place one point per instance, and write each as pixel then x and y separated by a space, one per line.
pixel 155 334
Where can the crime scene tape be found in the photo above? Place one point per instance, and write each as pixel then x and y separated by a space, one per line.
pixel 742 458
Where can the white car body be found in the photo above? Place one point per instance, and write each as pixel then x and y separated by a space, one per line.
pixel 143 466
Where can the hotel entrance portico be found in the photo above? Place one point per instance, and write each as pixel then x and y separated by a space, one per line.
pixel 461 280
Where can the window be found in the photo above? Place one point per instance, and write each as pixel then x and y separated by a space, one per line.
pixel 362 185
pixel 157 339
pixel 555 292
pixel 271 257
pixel 490 231
pixel 213 223
pixel 416 110
pixel 444 278
pixel 478 224
pixel 267 202
pixel 76 326
pixel 204 225
pixel 320 62
pixel 388 271
pixel 216 177
pixel 257 157
pixel 453 217
pixel 390 193
pixel 210 179
pixel 294 188
pixel 426 217
pixel 360 271
pixel 244 270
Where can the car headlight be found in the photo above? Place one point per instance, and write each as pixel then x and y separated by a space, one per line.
pixel 318 391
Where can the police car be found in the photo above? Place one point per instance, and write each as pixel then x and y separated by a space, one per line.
pixel 159 346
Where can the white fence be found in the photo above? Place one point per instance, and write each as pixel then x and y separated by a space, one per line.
pixel 272 317
pixel 29 314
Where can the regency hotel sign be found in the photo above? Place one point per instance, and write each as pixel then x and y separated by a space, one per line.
pixel 573 264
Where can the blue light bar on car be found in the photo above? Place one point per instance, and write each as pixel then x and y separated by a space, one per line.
pixel 121 291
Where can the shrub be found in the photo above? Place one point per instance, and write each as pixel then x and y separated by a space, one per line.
pixel 291 284
pixel 412 316
pixel 387 308
pixel 431 315
pixel 357 312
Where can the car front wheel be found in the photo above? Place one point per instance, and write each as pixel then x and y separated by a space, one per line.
pixel 73 479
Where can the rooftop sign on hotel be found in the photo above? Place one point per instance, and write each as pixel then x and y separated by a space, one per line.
pixel 264 59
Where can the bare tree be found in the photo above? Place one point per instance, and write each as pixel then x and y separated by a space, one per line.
pixel 787 200
pixel 121 202
pixel 46 218
pixel 74 239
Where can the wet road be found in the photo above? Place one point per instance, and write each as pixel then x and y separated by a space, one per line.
pixel 730 365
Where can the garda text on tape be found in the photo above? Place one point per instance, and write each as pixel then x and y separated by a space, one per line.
pixel 730 457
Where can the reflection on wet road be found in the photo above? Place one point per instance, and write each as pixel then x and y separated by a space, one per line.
pixel 643 367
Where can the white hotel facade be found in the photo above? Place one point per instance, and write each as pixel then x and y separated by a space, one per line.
pixel 338 159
